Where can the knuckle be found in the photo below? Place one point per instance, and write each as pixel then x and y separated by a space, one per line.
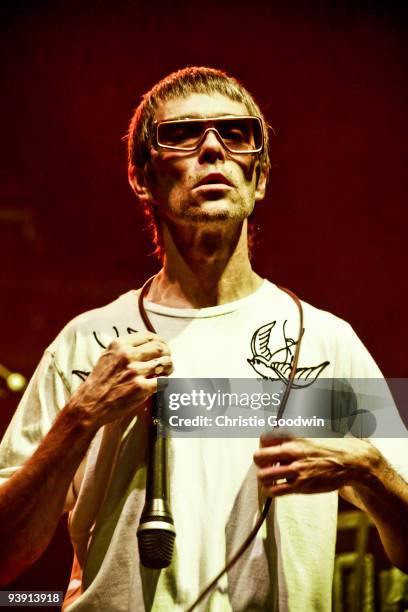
pixel 114 345
pixel 160 347
pixel 164 347
pixel 135 355
pixel 138 381
pixel 165 360
pixel 123 359
pixel 143 384
pixel 296 466
pixel 147 336
pixel 260 459
pixel 141 367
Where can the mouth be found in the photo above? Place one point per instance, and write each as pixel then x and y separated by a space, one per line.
pixel 216 179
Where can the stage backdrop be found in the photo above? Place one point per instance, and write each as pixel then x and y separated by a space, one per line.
pixel 332 80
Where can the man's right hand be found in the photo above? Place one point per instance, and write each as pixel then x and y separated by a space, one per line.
pixel 123 378
pixel 32 500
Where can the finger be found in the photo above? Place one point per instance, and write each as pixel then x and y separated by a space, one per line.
pixel 275 437
pixel 277 454
pixel 277 490
pixel 146 385
pixel 161 370
pixel 270 474
pixel 136 339
pixel 154 367
pixel 148 351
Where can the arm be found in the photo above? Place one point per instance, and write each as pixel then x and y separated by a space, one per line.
pixel 383 494
pixel 32 500
pixel 355 467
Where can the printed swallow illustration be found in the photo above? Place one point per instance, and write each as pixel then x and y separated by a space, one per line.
pixel 277 365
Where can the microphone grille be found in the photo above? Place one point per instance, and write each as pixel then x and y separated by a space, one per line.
pixel 156 547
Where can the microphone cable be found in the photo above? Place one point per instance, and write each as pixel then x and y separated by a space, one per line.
pixel 251 536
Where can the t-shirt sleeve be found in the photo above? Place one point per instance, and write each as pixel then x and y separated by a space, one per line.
pixel 45 396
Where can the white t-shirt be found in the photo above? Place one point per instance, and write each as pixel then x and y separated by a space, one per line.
pixel 213 489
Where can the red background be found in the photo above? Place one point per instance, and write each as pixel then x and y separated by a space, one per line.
pixel 332 80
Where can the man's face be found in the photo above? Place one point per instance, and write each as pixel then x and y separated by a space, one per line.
pixel 209 184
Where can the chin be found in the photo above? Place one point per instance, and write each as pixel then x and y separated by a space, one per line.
pixel 217 210
pixel 213 216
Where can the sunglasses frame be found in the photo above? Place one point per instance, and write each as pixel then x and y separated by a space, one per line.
pixel 159 145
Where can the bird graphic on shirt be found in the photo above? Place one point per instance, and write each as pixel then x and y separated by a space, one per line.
pixel 278 365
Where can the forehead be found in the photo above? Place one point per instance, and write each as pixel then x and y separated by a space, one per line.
pixel 199 105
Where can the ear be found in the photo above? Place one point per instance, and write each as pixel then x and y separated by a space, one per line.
pixel 139 183
pixel 261 184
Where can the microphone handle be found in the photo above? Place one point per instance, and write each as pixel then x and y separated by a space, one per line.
pixel 156 532
pixel 157 482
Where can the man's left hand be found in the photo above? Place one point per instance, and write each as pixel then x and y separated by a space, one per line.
pixel 304 465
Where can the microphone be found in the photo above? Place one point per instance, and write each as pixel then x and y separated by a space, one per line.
pixel 156 532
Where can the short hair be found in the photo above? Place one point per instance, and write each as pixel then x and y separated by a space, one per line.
pixel 181 84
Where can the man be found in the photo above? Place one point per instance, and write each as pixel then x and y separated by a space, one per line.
pixel 198 163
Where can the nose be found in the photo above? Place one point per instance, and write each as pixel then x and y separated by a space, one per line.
pixel 212 147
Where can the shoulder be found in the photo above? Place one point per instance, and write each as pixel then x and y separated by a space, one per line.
pixel 327 322
pixel 313 317
pixel 111 316
pixel 124 306
pixel 326 334
pixel 80 343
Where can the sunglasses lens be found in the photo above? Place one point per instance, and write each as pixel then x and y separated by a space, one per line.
pixel 239 134
pixel 180 134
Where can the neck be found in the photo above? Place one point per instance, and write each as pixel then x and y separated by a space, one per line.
pixel 204 267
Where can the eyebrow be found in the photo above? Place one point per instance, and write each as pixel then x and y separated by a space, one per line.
pixel 198 116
